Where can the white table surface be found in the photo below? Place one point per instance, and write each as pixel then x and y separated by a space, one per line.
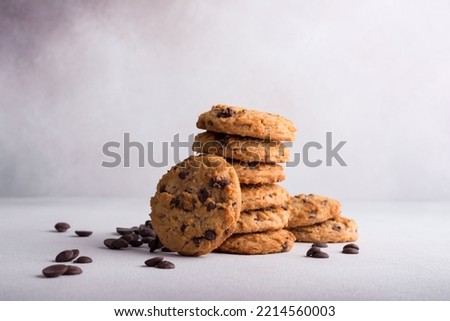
pixel 404 255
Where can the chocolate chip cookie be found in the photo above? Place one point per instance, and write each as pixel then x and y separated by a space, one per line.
pixel 258 173
pixel 259 243
pixel 256 197
pixel 336 230
pixel 241 148
pixel 245 122
pixel 311 209
pixel 262 220
pixel 196 205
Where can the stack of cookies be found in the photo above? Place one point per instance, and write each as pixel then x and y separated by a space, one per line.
pixel 315 218
pixel 251 141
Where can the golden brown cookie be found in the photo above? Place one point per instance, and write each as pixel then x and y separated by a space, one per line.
pixel 256 197
pixel 311 209
pixel 245 122
pixel 258 173
pixel 259 243
pixel 262 220
pixel 336 230
pixel 196 205
pixel 241 148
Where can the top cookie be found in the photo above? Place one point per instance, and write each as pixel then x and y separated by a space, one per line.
pixel 196 205
pixel 245 122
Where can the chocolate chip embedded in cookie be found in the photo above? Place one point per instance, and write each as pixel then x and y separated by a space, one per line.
pixel 241 148
pixel 262 220
pixel 336 230
pixel 311 209
pixel 263 196
pixel 245 122
pixel 259 243
pixel 196 205
pixel 258 173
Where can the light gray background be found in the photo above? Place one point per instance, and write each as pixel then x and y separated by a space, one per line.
pixel 77 74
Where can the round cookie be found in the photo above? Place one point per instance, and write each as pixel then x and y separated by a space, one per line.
pixel 262 220
pixel 245 122
pixel 259 243
pixel 196 205
pixel 241 148
pixel 311 209
pixel 336 230
pixel 258 173
pixel 263 196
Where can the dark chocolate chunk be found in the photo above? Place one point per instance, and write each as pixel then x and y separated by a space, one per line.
pixel 55 270
pixel 73 270
pixel 350 250
pixel 312 250
pixel 219 183
pixel 320 244
pixel 225 113
pixel 155 244
pixel 83 233
pixel 65 256
pixel 183 174
pixel 135 243
pixel 352 245
pixel 83 260
pixel 210 206
pixel 320 255
pixel 175 202
pixel 123 230
pixel 154 261
pixel 210 235
pixel 62 227
pixel 203 195
pixel 165 265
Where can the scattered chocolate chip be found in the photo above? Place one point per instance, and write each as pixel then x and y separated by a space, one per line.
pixel 147 239
pixel 210 235
pixel 65 256
pixel 225 113
pixel 210 206
pixel 351 245
pixel 312 250
pixel 155 244
pixel 120 244
pixel 147 232
pixel 148 223
pixel 165 265
pixel 135 229
pixel 320 244
pixel 165 249
pixel 76 252
pixel 183 174
pixel 62 227
pixel 129 237
pixel 83 233
pixel 123 230
pixel 350 250
pixel 135 243
pixel 83 260
pixel 55 270
pixel 219 183
pixel 154 261
pixel 203 195
pixel 109 243
pixel 320 255
pixel 73 270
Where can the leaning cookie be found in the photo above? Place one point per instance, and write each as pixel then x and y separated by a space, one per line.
pixel 262 220
pixel 258 173
pixel 263 196
pixel 259 243
pixel 196 205
pixel 311 209
pixel 336 230
pixel 241 148
pixel 245 122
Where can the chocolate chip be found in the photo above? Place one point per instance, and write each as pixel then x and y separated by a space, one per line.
pixel 120 244
pixel 155 244
pixel 154 261
pixel 148 223
pixel 219 183
pixel 210 206
pixel 183 174
pixel 227 231
pixel 62 227
pixel 336 228
pixel 109 243
pixel 147 232
pixel 197 240
pixel 284 247
pixel 350 250
pixel 76 252
pixel 55 270
pixel 284 208
pixel 135 243
pixel 203 195
pixel 210 235
pixel 320 244
pixel 320 255
pixel 129 237
pixel 175 202
pixel 165 265
pixel 162 188
pixel 83 233
pixel 147 239
pixel 352 245
pixel 165 249
pixel 73 270
pixel 83 260
pixel 210 123
pixel 225 113
pixel 64 256
pixel 252 165
pixel 312 250
pixel 183 227
pixel 123 230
